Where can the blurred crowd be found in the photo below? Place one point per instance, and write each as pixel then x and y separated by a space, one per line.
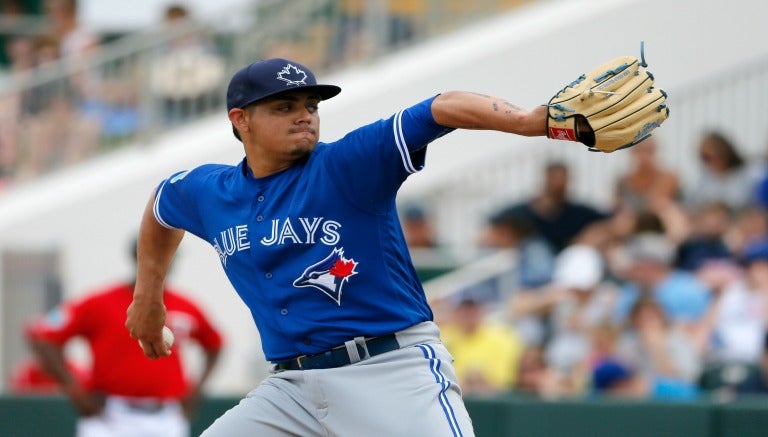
pixel 68 92
pixel 60 132
pixel 663 296
pixel 64 96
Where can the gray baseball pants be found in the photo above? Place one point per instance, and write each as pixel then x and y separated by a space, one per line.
pixel 411 391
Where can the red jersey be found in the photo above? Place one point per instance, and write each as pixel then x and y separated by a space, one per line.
pixel 119 365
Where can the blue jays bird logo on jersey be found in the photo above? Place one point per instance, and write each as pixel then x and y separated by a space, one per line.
pixel 292 75
pixel 329 275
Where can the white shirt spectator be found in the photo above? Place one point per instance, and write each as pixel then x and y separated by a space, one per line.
pixel 740 325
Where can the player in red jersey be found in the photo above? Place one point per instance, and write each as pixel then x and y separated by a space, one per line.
pixel 127 394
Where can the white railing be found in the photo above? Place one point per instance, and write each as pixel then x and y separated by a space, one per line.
pixel 486 268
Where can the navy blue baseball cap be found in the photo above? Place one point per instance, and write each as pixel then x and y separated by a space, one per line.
pixel 268 77
pixel 755 251
pixel 608 373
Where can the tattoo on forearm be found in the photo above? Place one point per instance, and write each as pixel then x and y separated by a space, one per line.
pixel 512 108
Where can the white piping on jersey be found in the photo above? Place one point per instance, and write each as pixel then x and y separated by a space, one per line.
pixel 405 154
pixel 156 207
pixel 434 366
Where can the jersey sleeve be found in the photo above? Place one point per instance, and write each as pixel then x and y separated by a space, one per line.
pixel 370 163
pixel 60 324
pixel 175 205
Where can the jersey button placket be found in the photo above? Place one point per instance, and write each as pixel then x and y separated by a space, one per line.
pixel 284 312
pixel 260 199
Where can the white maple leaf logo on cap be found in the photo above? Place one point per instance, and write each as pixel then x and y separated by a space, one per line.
pixel 292 75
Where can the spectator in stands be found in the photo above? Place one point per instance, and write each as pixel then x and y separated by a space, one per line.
pixel 9 10
pixel 557 217
pixel 116 108
pixel 403 20
pixel 618 261
pixel 653 346
pixel 535 261
pixel 51 128
pixel 106 93
pixel 725 176
pixel 74 39
pixel 37 98
pixel 760 195
pixel 684 298
pixel 349 38
pixel 535 256
pixel 749 225
pixel 21 54
pixel 106 97
pixel 647 222
pixel 418 228
pixel 674 221
pixel 537 379
pixel 604 338
pixel 569 308
pixel 740 311
pixel 707 240
pixel 586 304
pixel 649 188
pixel 429 257
pixel 578 271
pixel 616 379
pixel 74 43
pixel 21 57
pixel 726 380
pixel 532 372
pixel 647 185
pixel 126 394
pixel 486 354
pixel 188 73
pixel 58 136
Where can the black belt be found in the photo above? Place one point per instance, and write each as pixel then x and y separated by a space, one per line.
pixel 339 356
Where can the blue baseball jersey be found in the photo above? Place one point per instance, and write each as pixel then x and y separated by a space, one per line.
pixel 315 251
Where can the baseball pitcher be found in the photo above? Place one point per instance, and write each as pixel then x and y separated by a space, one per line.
pixel 308 234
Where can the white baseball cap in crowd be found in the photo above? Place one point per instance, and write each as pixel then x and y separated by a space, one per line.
pixel 579 266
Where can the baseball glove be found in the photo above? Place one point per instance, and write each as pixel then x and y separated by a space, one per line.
pixel 618 102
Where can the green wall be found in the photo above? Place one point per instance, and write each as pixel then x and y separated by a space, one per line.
pixel 493 417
